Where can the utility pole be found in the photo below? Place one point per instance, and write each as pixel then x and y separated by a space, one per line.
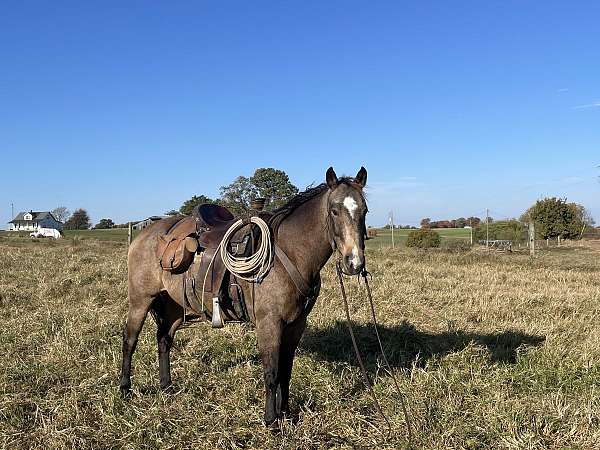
pixel 487 228
pixel 12 211
pixel 471 229
pixel 129 234
pixel 531 238
pixel 392 225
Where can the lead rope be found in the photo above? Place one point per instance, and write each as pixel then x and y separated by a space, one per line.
pixel 387 367
pixel 366 377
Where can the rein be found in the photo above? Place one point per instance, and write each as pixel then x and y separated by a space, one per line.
pixel 387 366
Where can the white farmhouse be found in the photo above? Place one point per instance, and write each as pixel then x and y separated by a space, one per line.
pixel 33 220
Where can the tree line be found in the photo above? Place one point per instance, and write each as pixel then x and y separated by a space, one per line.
pixel 461 222
pixel 271 184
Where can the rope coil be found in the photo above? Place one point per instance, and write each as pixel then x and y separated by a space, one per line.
pixel 256 266
pixel 251 268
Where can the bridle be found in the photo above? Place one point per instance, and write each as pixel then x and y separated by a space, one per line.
pixel 387 367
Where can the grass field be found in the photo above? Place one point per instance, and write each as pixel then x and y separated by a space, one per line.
pixel 384 236
pixel 383 239
pixel 492 350
pixel 114 234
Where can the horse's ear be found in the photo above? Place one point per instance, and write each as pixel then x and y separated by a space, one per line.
pixel 331 178
pixel 361 177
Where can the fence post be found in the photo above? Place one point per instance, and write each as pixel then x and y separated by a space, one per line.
pixel 129 234
pixel 531 239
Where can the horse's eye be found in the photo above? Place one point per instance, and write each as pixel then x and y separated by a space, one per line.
pixel 334 212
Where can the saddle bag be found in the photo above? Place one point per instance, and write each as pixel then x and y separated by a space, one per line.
pixel 178 254
pixel 177 248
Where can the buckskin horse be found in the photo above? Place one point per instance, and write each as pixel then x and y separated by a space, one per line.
pixel 306 232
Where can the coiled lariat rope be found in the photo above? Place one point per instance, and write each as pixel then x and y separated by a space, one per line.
pixel 254 267
pixel 387 366
pixel 251 268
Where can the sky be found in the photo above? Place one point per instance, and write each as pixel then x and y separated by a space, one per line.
pixel 127 109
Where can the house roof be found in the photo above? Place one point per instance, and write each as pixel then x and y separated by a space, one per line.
pixel 36 216
pixel 151 219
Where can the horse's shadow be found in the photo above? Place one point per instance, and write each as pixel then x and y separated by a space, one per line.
pixel 405 345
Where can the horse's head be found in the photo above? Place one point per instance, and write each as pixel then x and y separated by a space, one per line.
pixel 346 209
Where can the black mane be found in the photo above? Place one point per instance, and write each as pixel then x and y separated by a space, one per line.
pixel 299 199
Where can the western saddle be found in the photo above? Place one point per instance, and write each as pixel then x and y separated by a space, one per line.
pixel 191 245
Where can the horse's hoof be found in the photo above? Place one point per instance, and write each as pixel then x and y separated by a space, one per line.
pixel 126 393
pixel 272 424
pixel 168 389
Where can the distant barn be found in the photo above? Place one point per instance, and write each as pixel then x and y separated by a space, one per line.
pixel 147 222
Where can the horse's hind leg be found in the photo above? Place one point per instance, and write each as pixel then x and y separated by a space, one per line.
pixel 138 309
pixel 168 316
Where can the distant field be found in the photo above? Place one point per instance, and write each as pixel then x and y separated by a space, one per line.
pixel 384 236
pixel 115 234
pixel 383 239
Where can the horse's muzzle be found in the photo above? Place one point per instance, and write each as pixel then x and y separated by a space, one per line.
pixel 353 264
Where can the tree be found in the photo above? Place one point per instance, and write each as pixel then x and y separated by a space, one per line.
pixel 473 221
pixel 426 223
pixel 173 212
pixel 80 220
pixel 238 195
pixel 104 224
pixel 190 204
pixel 60 213
pixel 274 185
pixel 555 217
pixel 461 222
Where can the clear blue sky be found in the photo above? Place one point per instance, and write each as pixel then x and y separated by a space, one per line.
pixel 129 108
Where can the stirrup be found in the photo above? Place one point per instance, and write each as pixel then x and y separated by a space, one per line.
pixel 217 320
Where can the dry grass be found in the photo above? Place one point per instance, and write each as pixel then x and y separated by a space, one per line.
pixel 493 351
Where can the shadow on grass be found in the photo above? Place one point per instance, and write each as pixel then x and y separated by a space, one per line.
pixel 404 344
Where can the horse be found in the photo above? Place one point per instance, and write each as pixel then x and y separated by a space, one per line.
pixel 312 226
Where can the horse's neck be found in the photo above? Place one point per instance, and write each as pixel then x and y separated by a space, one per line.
pixel 304 237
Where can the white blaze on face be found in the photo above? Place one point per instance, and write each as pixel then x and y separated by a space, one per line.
pixel 355 258
pixel 350 205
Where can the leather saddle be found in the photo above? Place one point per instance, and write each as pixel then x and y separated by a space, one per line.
pixel 192 243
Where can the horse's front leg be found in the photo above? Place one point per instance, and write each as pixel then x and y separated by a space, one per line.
pixel 292 334
pixel 268 334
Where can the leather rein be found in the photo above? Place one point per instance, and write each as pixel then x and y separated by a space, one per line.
pixel 311 292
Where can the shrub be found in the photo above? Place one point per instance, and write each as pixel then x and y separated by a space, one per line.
pixel 509 230
pixel 423 238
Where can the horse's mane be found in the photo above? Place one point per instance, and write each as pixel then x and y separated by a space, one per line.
pixel 300 199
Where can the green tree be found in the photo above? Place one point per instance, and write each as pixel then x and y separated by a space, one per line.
pixel 555 217
pixel 189 205
pixel 238 195
pixel 172 212
pixel 461 222
pixel 80 220
pixel 426 222
pixel 274 185
pixel 104 224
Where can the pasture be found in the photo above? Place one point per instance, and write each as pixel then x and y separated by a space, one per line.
pixel 384 236
pixel 492 351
